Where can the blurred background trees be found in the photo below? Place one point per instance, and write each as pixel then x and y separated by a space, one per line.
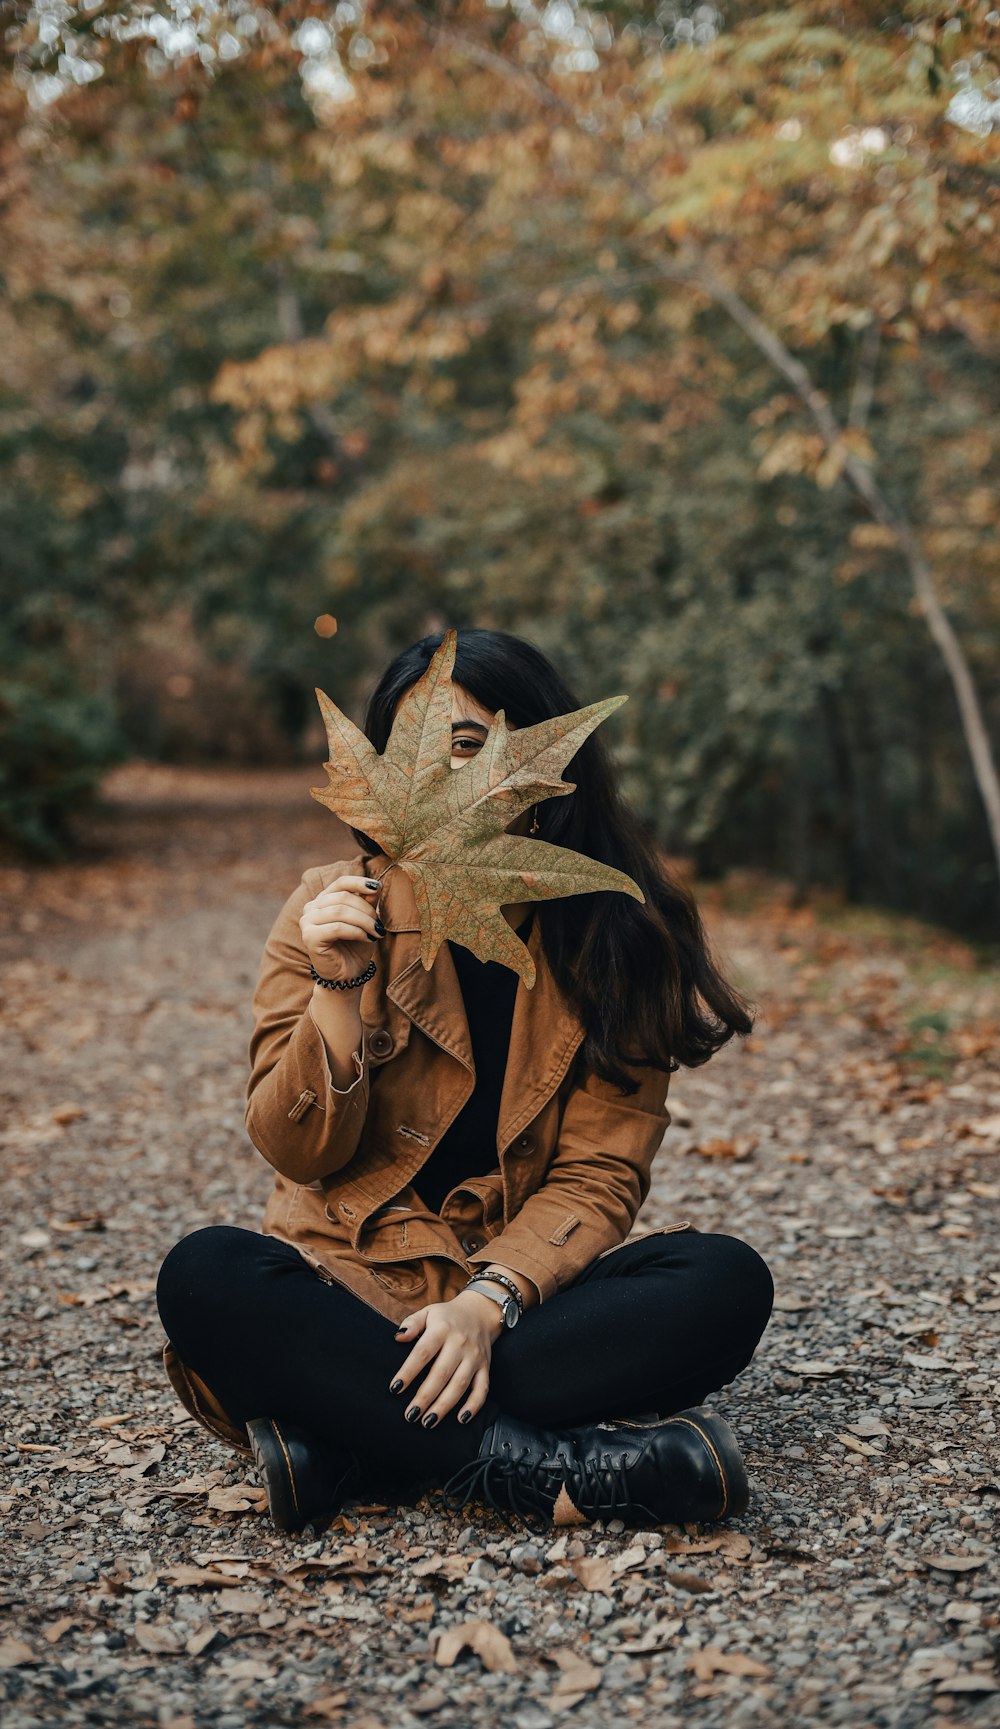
pixel 329 327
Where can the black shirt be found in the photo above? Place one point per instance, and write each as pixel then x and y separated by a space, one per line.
pixel 468 1148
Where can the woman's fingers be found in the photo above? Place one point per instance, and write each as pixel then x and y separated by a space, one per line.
pixel 430 1396
pixel 451 1394
pixel 346 889
pixel 472 1405
pixel 423 1354
pixel 341 924
pixel 341 912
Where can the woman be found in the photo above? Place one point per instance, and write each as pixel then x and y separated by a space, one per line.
pixel 442 1296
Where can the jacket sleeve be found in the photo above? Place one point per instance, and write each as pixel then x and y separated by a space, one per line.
pixel 598 1179
pixel 302 1124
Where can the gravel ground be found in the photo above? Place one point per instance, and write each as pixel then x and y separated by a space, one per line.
pixel 853 1140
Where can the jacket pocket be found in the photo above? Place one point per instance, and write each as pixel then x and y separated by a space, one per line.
pixel 401 1278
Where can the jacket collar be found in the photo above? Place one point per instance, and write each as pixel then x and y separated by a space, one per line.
pixel 545 1030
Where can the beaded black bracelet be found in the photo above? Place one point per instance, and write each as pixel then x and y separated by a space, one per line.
pixel 344 984
pixel 499 1279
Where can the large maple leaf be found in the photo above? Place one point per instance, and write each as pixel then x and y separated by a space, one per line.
pixel 445 827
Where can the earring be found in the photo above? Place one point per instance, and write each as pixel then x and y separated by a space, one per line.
pixel 534 822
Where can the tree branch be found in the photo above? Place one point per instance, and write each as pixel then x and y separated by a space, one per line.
pixel 692 266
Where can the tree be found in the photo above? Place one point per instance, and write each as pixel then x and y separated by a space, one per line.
pixel 468 340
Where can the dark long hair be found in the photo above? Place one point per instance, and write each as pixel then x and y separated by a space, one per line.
pixel 641 978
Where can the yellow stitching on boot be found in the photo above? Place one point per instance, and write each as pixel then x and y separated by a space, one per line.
pixel 715 1456
pixel 206 1416
pixel 288 1462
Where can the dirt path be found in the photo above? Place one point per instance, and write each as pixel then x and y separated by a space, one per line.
pixel 854 1140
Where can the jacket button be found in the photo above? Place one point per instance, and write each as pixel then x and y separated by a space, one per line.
pixel 379 1042
pixel 471 1244
pixel 524 1144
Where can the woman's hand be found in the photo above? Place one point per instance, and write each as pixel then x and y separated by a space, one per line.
pixel 339 926
pixel 454 1343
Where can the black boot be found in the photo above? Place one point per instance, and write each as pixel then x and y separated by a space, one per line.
pixel 306 1482
pixel 680 1468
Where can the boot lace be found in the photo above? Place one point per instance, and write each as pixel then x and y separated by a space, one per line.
pixel 599 1485
pixel 517 1483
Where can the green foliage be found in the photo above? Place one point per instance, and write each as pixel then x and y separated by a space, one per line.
pixel 419 365
pixel 56 739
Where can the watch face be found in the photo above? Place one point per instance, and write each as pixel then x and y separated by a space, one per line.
pixel 510 1313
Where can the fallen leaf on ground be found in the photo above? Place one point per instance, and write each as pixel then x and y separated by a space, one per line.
pixel 868 1427
pixel 328 1705
pixel 492 1647
pixel 735 1546
pixel 658 1638
pixel 860 1447
pixel 52 1634
pixel 68 1113
pixel 353 1558
pixel 724 1147
pixel 577 1678
pixel 240 1602
pixel 710 1660
pixel 732 1544
pixel 988 1128
pixel 629 1558
pixel 239 1498
pixel 159 1641
pixel 442 1567
pixel 200 1640
pixel 210 1577
pixel 594 1572
pixel 14 1654
pixel 692 1582
pixel 248 1669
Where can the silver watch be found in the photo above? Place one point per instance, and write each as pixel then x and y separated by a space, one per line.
pixel 508 1304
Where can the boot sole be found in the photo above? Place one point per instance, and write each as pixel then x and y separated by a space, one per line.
pixel 275 1467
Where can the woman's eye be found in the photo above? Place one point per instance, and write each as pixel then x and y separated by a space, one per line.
pixel 462 743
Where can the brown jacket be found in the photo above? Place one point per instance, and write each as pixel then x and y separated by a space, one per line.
pixel 573 1162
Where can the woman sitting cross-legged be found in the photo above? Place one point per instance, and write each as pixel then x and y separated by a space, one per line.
pixel 443 1297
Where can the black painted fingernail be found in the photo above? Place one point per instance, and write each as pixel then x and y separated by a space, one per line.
pixel 413 1413
pixel 370 883
pixel 371 938
pixel 430 1420
pixel 397 1387
pixel 465 1417
pixel 380 927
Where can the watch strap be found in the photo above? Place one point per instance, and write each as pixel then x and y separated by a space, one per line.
pixel 494 1295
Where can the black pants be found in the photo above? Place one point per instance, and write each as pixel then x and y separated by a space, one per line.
pixel 654 1326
